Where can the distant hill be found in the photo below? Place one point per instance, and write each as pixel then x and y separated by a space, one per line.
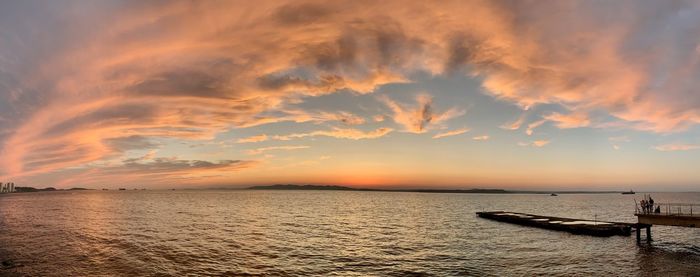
pixel 460 190
pixel 302 187
pixel 317 187
pixel 31 189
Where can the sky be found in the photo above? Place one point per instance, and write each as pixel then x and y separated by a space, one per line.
pixel 594 95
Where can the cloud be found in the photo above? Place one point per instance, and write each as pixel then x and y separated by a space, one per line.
pixel 531 127
pixel 540 143
pixel 261 150
pixel 619 139
pixel 420 118
pixel 79 79
pixel 298 115
pixel 484 137
pixel 343 133
pixel 515 125
pixel 573 120
pixel 257 138
pixel 615 141
pixel 536 143
pixel 153 171
pixel 676 147
pixel 148 156
pixel 451 133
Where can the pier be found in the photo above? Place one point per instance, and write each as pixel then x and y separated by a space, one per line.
pixel 571 225
pixel 669 214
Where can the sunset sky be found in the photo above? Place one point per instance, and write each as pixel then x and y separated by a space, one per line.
pixel 450 94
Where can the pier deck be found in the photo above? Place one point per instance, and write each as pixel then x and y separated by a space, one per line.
pixel 671 214
pixel 571 225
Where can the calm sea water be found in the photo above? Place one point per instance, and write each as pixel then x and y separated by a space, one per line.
pixel 176 233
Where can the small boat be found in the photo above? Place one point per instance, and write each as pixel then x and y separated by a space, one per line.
pixel 122 189
pixel 628 192
pixel 553 194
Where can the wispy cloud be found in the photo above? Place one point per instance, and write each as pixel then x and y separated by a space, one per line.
pixel 261 150
pixel 257 138
pixel 421 117
pixel 676 147
pixel 536 143
pixel 619 139
pixel 342 133
pixel 572 120
pixel 160 171
pixel 514 125
pixel 540 143
pixel 484 137
pixel 451 133
pixel 77 81
pixel 616 141
pixel 531 127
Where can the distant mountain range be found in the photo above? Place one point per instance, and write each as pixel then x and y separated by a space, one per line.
pixel 332 187
pixel 317 187
pixel 31 189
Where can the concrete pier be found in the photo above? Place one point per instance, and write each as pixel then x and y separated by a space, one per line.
pixel 571 225
pixel 638 229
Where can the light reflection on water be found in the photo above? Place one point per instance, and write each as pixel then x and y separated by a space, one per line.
pixel 326 233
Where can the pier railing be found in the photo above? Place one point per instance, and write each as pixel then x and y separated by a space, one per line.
pixel 670 209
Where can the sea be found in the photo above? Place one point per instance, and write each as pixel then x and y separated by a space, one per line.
pixel 327 233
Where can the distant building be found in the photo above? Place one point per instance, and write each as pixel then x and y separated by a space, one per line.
pixel 7 187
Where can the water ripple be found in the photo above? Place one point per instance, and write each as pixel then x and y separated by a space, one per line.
pixel 324 233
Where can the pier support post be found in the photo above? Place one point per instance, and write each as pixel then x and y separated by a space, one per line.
pixel 639 235
pixel 649 234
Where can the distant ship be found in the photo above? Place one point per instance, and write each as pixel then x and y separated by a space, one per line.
pixel 122 189
pixel 628 192
pixel 553 194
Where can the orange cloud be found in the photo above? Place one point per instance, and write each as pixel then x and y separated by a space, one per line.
pixel 344 133
pixel 536 143
pixel 420 118
pixel 540 143
pixel 156 171
pixel 78 84
pixel 531 127
pixel 261 150
pixel 515 125
pixel 257 138
pixel 573 120
pixel 451 133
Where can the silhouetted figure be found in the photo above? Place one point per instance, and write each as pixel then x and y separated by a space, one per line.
pixel 658 210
